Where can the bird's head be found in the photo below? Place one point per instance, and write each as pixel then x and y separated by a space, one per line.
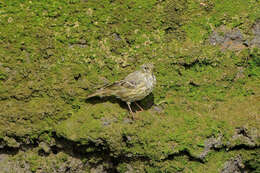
pixel 147 68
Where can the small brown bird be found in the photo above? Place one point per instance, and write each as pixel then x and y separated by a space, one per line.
pixel 134 87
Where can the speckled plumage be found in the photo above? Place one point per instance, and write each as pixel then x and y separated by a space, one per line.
pixel 134 87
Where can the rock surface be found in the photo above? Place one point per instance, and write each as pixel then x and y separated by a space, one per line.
pixel 203 115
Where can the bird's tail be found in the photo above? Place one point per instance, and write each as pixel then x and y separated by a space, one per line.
pixel 92 95
pixel 100 93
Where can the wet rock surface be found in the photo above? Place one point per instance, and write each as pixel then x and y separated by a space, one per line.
pixel 7 165
pixel 211 144
pixel 234 39
pixel 235 165
pixel 246 137
pixel 228 39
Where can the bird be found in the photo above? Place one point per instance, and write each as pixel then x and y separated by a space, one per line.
pixel 134 87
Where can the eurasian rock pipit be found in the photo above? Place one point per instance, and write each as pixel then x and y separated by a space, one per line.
pixel 134 87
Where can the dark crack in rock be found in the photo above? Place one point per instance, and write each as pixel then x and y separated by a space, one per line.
pixel 234 165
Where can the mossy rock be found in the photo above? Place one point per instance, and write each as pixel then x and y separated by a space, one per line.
pixel 202 113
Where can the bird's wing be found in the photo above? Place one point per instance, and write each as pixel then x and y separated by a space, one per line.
pixel 122 84
pixel 133 79
pixel 126 84
pixel 129 82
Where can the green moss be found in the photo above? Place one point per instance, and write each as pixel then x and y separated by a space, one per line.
pixel 11 142
pixel 253 162
pixel 34 162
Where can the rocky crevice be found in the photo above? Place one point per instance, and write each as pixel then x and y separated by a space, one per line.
pixel 102 150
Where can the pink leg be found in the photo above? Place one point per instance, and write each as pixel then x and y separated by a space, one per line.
pixel 129 107
pixel 139 106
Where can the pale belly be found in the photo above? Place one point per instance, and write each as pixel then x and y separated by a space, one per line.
pixel 141 91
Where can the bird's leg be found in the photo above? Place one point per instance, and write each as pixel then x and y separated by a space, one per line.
pixel 139 106
pixel 128 104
